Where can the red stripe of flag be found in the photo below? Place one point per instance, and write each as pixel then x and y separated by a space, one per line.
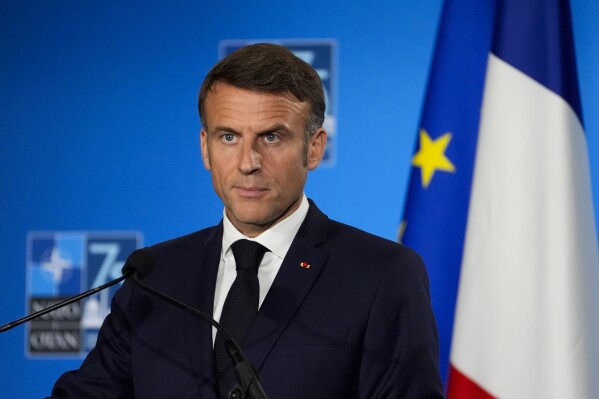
pixel 461 387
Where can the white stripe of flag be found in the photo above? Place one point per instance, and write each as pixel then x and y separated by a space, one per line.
pixel 527 318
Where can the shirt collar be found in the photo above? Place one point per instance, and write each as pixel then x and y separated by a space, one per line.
pixel 277 238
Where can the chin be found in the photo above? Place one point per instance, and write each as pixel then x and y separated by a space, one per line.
pixel 251 217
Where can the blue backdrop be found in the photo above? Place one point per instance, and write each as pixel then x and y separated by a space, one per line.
pixel 99 128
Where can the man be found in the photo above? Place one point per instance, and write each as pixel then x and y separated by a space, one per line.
pixel 342 313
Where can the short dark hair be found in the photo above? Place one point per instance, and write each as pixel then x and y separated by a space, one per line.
pixel 268 68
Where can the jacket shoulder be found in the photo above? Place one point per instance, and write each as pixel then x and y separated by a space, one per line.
pixel 354 239
pixel 185 243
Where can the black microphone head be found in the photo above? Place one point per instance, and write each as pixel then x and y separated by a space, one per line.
pixel 140 262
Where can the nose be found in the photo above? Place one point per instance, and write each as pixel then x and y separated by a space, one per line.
pixel 250 159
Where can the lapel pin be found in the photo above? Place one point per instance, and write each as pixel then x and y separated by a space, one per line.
pixel 305 265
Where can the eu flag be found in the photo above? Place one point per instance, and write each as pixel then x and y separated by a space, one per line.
pixel 437 203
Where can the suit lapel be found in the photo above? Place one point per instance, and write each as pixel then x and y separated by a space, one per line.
pixel 291 285
pixel 199 293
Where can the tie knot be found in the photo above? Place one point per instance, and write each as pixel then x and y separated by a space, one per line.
pixel 248 254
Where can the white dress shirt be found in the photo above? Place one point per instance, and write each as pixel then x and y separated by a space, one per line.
pixel 277 239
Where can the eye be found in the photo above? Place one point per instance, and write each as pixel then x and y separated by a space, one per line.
pixel 228 137
pixel 271 138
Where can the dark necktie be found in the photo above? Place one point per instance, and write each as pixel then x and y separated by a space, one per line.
pixel 240 308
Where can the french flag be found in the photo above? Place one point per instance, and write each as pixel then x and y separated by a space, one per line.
pixel 526 319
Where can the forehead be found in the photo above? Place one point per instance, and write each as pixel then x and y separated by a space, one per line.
pixel 226 104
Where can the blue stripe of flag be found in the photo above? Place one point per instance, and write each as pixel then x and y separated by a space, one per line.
pixel 535 36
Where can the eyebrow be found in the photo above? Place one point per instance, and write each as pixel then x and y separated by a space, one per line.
pixel 275 128
pixel 222 129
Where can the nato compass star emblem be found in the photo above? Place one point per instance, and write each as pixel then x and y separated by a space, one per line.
pixel 56 264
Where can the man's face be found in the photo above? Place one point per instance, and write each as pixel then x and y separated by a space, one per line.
pixel 254 147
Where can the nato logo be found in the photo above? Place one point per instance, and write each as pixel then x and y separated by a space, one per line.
pixel 322 55
pixel 63 264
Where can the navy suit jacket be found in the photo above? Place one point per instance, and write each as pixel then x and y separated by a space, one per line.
pixel 356 323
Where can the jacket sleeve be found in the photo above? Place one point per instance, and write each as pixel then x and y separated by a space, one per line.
pixel 106 371
pixel 400 351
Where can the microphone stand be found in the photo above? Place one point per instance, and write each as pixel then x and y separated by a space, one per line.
pixel 248 383
pixel 66 302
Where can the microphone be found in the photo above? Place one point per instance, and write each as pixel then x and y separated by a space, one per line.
pixel 138 265
pixel 66 302
pixel 141 263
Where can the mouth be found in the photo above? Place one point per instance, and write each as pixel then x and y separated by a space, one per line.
pixel 250 191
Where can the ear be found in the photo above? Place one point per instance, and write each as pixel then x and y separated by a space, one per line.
pixel 204 148
pixel 316 146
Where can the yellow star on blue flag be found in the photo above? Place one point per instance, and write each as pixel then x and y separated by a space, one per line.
pixel 431 156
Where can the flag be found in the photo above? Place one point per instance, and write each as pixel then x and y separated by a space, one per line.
pixel 527 312
pixel 436 206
